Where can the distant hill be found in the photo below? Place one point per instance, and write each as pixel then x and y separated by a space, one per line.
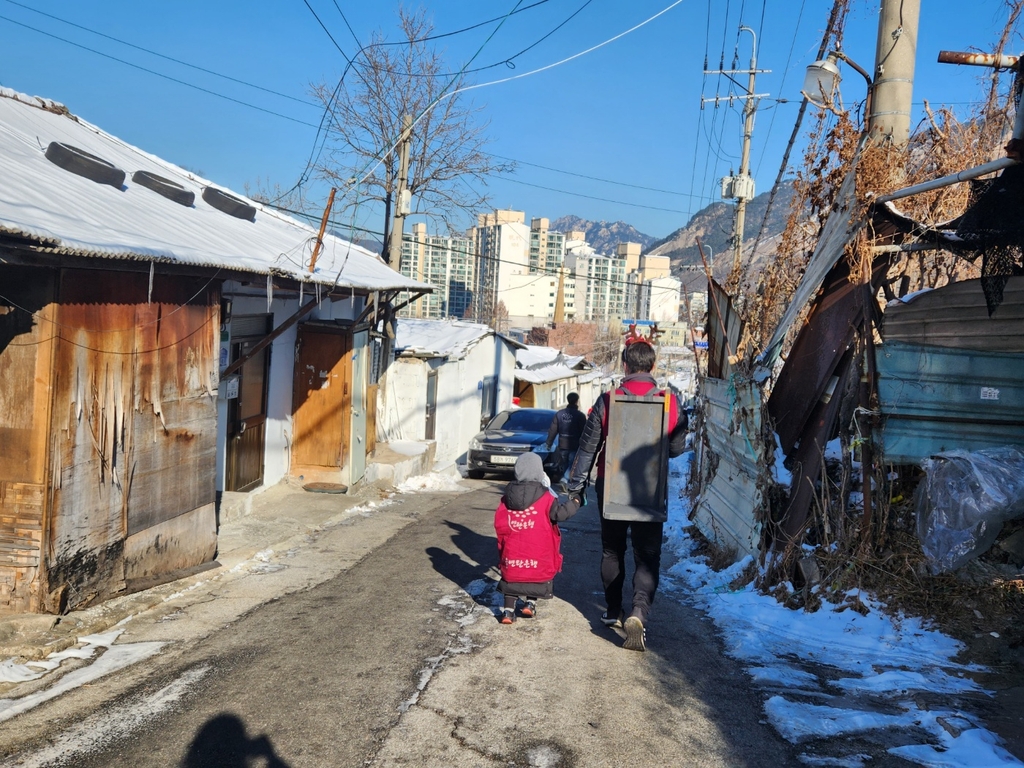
pixel 603 236
pixel 713 224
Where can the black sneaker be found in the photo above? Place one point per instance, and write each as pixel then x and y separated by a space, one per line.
pixel 613 620
pixel 529 610
pixel 507 616
pixel 636 635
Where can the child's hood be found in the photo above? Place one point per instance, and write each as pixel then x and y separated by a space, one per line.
pixel 520 495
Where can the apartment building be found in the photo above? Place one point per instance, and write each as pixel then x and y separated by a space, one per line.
pixel 448 263
pixel 659 299
pixel 547 248
pixel 501 241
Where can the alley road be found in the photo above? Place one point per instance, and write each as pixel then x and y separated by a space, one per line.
pixel 398 661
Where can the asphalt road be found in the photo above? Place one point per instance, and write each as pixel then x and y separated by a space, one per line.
pixel 398 661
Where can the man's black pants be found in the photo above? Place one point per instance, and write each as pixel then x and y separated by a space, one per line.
pixel 646 540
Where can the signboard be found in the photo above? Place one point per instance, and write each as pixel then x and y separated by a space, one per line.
pixel 638 322
pixel 231 388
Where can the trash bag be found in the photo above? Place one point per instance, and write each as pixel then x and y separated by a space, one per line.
pixel 963 502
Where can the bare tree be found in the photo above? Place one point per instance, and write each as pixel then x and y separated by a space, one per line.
pixel 388 80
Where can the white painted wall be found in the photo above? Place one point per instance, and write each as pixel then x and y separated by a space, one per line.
pixel 277 453
pixel 402 410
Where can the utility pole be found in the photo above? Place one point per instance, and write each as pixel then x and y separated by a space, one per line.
pixel 741 186
pixel 402 206
pixel 560 298
pixel 895 55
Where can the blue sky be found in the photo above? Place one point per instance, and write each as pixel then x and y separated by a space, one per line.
pixel 628 112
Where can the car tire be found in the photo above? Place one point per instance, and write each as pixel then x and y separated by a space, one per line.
pixel 165 187
pixel 84 164
pixel 229 204
pixel 474 474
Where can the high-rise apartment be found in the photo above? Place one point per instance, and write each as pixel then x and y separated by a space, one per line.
pixel 447 263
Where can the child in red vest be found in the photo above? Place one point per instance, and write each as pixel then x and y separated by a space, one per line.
pixel 526 523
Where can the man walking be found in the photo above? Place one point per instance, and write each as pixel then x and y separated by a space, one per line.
pixel 567 425
pixel 643 525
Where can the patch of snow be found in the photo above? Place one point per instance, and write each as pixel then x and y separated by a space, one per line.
pixel 407 447
pixel 886 660
pixel 435 481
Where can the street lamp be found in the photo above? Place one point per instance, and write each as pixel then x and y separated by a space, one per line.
pixel 822 80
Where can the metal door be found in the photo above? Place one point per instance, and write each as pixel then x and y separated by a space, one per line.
pixel 247 417
pixel 320 398
pixel 430 428
pixel 360 372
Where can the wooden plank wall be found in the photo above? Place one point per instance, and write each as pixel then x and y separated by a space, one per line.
pixel 26 350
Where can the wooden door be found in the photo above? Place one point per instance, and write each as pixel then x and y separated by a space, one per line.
pixel 247 419
pixel 321 398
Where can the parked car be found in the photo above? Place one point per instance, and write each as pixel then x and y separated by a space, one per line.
pixel 507 436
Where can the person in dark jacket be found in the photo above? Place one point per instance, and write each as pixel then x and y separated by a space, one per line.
pixel 567 426
pixel 526 523
pixel 638 361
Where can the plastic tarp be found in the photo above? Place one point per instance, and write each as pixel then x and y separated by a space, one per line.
pixel 964 500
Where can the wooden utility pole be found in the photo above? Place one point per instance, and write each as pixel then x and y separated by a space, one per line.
pixel 323 227
pixel 401 209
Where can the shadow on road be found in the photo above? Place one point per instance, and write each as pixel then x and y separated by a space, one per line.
pixel 223 743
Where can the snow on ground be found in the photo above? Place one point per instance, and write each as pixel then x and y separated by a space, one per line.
pixel 835 674
pixel 435 481
pixel 407 447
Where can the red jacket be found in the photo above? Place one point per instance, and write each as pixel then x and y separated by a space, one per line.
pixel 528 541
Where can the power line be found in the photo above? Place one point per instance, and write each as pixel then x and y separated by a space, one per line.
pixel 161 55
pixel 325 29
pixel 592 178
pixel 601 199
pixel 154 72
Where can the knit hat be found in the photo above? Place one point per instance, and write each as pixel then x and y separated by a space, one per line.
pixel 530 468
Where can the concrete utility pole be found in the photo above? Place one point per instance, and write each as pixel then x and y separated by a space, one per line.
pixel 560 298
pixel 402 207
pixel 741 186
pixel 895 55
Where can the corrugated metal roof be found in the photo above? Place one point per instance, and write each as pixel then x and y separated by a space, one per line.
pixel 70 214
pixel 956 315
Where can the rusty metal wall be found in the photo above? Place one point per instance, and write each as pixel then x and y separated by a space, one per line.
pixel 729 508
pixel 134 419
pixel 26 348
pixel 956 315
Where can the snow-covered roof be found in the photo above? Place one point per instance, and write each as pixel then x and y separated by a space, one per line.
pixel 545 373
pixel 438 338
pixel 539 365
pixel 70 214
pixel 534 356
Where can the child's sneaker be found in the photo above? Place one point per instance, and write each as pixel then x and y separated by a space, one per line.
pixel 529 609
pixel 636 639
pixel 613 620
pixel 507 616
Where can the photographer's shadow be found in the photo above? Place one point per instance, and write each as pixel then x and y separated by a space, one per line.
pixel 223 743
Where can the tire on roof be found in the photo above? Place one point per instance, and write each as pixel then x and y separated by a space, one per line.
pixel 169 189
pixel 229 204
pixel 85 164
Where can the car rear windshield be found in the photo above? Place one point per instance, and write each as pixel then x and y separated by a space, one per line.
pixel 524 421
